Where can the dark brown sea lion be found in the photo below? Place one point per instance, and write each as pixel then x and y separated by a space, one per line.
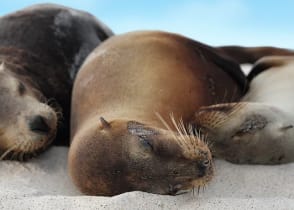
pixel 260 128
pixel 118 143
pixel 41 49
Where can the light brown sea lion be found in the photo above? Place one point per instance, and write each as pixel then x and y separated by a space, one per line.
pixel 41 49
pixel 260 128
pixel 118 143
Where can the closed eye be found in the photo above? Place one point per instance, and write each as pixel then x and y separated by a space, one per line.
pixel 145 142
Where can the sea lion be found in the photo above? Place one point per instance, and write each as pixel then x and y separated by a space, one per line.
pixel 118 143
pixel 41 49
pixel 260 128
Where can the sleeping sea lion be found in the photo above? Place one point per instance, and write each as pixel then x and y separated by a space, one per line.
pixel 122 137
pixel 41 49
pixel 260 128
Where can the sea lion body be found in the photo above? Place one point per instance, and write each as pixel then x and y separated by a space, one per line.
pixel 127 80
pixel 260 128
pixel 41 49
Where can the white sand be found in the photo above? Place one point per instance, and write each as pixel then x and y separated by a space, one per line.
pixel 44 184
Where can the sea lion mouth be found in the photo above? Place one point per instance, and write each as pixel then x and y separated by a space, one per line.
pixel 188 186
pixel 25 150
pixel 177 189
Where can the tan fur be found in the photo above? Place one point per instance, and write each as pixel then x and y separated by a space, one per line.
pixel 259 128
pixel 17 108
pixel 126 81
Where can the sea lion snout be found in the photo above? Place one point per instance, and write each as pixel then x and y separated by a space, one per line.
pixel 40 124
pixel 203 167
pixel 27 124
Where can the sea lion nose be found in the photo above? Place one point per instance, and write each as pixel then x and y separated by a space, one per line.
pixel 39 125
pixel 202 167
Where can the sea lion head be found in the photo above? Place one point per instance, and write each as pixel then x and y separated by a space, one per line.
pixel 246 132
pixel 122 155
pixel 27 125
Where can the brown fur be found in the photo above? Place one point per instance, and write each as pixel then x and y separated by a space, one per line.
pixel 127 80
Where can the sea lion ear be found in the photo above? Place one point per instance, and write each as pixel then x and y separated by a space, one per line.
pixel 104 123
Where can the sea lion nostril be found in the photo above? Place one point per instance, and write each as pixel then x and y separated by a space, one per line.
pixel 38 124
pixel 205 163
pixel 202 166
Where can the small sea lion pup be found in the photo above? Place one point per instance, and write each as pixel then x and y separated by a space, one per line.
pixel 41 49
pixel 260 128
pixel 118 142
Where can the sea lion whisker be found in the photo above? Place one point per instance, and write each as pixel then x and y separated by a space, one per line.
pixel 182 127
pixel 205 138
pixel 177 128
pixel 168 127
pixel 193 138
pixel 198 134
pixel 52 102
pixel 176 125
pixel 235 107
pixel 191 133
pixel 186 135
pixel 9 150
pixel 15 153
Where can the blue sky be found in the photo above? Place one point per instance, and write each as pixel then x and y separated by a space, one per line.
pixel 215 22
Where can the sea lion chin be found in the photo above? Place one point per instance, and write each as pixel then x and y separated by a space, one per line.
pixel 127 80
